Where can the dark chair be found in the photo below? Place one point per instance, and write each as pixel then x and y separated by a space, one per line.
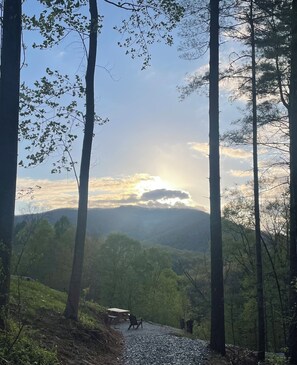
pixel 134 322
pixel 189 325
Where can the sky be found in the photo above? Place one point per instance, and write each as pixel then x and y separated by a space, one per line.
pixel 154 149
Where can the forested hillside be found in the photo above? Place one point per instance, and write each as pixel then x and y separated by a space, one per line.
pixel 186 229
pixel 163 284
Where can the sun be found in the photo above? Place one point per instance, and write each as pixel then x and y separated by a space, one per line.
pixel 153 183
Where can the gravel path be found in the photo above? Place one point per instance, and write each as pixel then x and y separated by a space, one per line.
pixel 160 345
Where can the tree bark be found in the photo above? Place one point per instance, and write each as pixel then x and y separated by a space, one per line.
pixel 9 118
pixel 259 265
pixel 292 340
pixel 217 336
pixel 71 310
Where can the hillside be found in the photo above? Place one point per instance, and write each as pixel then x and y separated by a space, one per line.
pixel 185 229
pixel 41 335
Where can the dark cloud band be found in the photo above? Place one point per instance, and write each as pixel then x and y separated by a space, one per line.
pixel 164 194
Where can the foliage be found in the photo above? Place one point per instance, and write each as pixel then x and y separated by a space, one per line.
pixel 277 359
pixel 25 351
pixel 54 98
pixel 35 296
pixel 36 257
pixel 117 272
pixel 165 285
pixel 149 21
pixel 35 316
pixel 138 279
pixel 240 259
pixel 17 344
pixel 57 20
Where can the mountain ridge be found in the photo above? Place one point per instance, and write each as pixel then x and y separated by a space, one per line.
pixel 181 228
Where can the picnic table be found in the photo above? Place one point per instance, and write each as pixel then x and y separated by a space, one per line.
pixel 116 315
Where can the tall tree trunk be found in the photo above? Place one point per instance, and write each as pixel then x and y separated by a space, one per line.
pixel 283 314
pixel 259 265
pixel 217 335
pixel 9 118
pixel 272 327
pixel 292 341
pixel 71 310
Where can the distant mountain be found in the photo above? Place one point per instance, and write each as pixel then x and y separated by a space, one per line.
pixel 185 229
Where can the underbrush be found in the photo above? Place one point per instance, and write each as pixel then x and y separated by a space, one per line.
pixel 240 356
pixel 19 349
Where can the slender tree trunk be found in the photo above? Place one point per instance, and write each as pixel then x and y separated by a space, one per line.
pixel 259 265
pixel 283 313
pixel 217 335
pixel 232 321
pixel 273 327
pixel 292 341
pixel 71 310
pixel 9 117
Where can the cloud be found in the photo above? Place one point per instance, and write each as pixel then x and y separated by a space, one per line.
pixel 236 153
pixel 241 173
pixel 159 204
pixel 103 192
pixel 164 194
pixel 199 147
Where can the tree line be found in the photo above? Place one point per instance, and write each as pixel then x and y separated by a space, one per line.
pixel 166 285
pixel 118 271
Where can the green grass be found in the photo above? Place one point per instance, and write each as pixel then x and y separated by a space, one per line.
pixel 25 351
pixel 30 301
pixel 35 296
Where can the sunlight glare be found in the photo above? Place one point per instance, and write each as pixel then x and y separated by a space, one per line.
pixel 154 183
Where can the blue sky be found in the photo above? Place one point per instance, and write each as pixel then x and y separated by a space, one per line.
pixel 153 151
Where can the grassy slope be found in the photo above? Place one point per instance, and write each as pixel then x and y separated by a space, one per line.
pixel 47 338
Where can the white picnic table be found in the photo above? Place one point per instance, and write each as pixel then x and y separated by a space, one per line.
pixel 118 314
